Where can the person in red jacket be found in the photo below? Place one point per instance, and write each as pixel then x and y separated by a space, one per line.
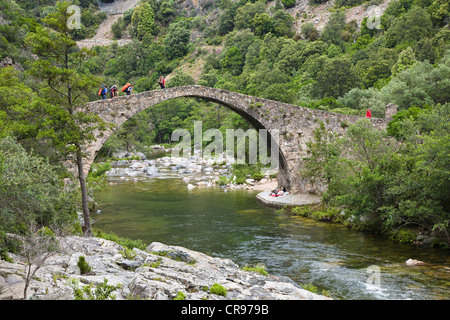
pixel 162 82
pixel 368 113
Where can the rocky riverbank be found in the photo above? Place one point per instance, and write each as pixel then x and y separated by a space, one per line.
pixel 194 171
pixel 160 272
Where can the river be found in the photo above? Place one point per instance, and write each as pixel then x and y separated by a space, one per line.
pixel 347 263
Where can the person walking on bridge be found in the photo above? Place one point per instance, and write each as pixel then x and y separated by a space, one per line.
pixel 114 91
pixel 162 82
pixel 103 91
pixel 127 89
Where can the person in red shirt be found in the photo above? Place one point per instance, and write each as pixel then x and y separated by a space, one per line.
pixel 162 82
pixel 368 113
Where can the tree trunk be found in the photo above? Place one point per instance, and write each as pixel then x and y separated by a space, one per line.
pixel 87 231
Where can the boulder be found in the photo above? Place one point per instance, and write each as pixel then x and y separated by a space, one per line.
pixel 158 273
pixel 415 263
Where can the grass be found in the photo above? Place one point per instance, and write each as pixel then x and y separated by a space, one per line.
pixel 218 290
pixel 260 268
pixel 318 212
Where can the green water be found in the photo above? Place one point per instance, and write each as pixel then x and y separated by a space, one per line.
pixel 233 225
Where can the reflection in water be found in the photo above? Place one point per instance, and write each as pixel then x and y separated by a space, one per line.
pixel 233 225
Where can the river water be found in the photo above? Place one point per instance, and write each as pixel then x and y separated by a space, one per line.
pixel 346 263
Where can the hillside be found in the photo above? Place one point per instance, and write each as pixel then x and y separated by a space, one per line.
pixel 302 13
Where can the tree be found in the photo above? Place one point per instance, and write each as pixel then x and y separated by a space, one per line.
pixel 405 59
pixel 310 32
pixel 180 79
pixel 32 195
pixel 226 21
pixel 282 23
pixel 333 30
pixel 261 24
pixel 409 27
pixel 247 12
pixel 336 78
pixel 177 40
pixel 143 20
pixel 66 90
pixel 288 3
pixel 233 61
pixel 321 155
pixel 279 92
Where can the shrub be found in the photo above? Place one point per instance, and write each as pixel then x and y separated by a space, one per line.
pixel 288 3
pixel 180 296
pixel 128 253
pixel 218 290
pixel 83 265
pixel 260 268
pixel 102 291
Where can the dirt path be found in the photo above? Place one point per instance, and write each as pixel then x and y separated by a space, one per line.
pixel 104 35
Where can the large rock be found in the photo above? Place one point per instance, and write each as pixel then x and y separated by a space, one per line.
pixel 158 273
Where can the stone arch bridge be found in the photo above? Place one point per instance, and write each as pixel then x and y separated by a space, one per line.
pixel 295 124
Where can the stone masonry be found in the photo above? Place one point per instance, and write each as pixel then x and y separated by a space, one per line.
pixel 295 124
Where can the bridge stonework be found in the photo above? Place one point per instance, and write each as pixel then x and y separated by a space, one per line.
pixel 295 124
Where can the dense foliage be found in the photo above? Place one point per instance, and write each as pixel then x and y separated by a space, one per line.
pixel 386 180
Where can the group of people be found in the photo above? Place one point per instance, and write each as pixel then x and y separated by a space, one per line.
pixel 114 91
pixel 278 193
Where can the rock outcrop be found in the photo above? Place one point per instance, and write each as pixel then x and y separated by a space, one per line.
pixel 158 273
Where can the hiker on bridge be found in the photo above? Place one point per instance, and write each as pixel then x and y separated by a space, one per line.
pixel 127 89
pixel 114 91
pixel 103 91
pixel 162 82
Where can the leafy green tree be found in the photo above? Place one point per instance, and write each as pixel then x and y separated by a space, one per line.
pixel 333 30
pixel 422 84
pixel 376 66
pixel 310 32
pixel 233 61
pixel 282 23
pixel 439 11
pixel 117 28
pixel 247 12
pixel 288 3
pixel 336 78
pixel 226 21
pixel 177 40
pixel 261 24
pixel 409 27
pixel 166 10
pixel 279 92
pixel 31 193
pixel 322 153
pixel 143 20
pixel 405 59
pixel 65 89
pixel 180 79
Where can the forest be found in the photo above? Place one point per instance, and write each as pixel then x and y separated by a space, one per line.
pixel 393 183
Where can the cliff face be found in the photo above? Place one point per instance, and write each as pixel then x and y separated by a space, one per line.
pixel 159 273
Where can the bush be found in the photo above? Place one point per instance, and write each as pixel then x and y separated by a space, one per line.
pixel 83 265
pixel 34 191
pixel 125 242
pixel 288 3
pixel 218 290
pixel 102 291
pixel 260 268
pixel 180 296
